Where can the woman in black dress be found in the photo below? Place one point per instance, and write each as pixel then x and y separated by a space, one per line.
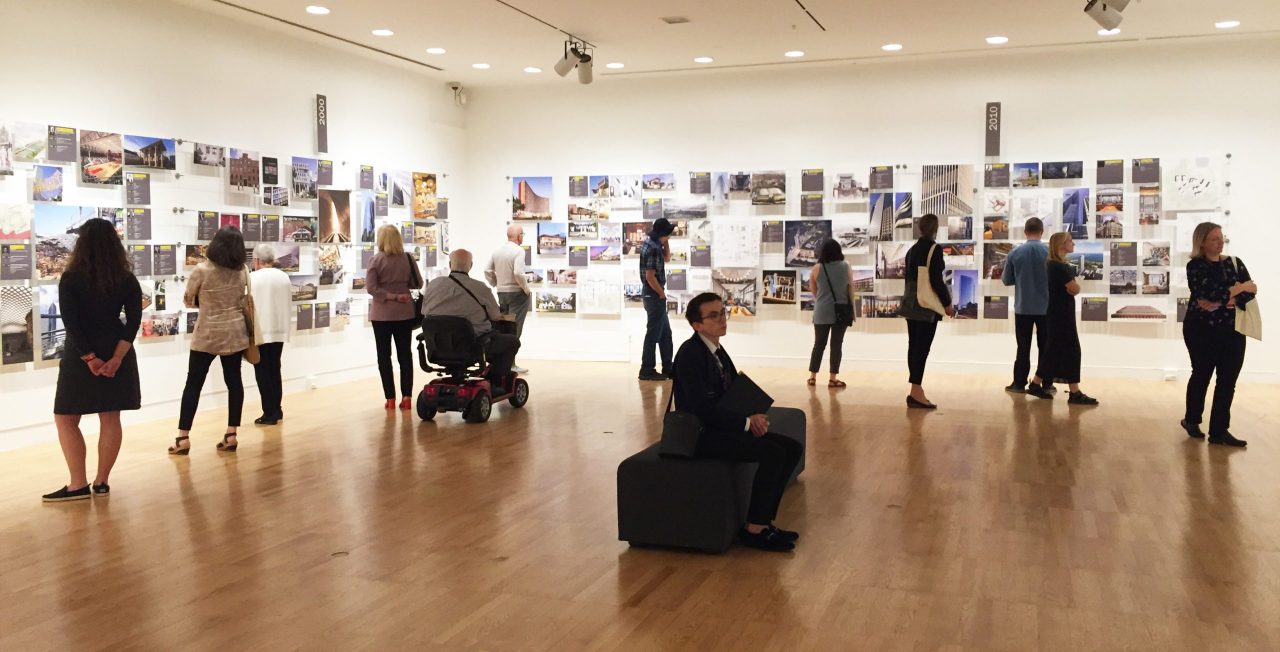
pixel 99 369
pixel 1062 342
pixel 1219 284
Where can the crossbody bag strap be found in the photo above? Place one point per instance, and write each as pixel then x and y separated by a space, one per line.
pixel 464 289
pixel 671 399
pixel 830 284
pixel 414 277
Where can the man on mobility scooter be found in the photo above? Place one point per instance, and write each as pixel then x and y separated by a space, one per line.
pixel 457 351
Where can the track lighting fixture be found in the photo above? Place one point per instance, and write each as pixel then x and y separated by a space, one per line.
pixel 576 55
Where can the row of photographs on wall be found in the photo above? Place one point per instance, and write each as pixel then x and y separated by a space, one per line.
pixel 945 190
pixel 31 320
pixel 58 156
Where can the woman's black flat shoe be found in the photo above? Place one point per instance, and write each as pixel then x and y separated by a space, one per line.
pixel 100 490
pixel 921 405
pixel 1193 429
pixel 64 494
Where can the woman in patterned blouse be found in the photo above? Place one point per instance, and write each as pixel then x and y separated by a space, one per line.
pixel 1219 284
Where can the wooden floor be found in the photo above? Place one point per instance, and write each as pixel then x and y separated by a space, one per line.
pixel 997 523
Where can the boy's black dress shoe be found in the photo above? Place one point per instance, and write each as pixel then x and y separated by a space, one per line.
pixel 1225 439
pixel 1193 429
pixel 767 539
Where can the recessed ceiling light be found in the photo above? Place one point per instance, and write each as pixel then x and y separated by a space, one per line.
pixel 1227 24
pixel 532 69
pixel 997 40
pixel 703 59
pixel 793 54
pixel 891 47
pixel 317 10
pixel 1108 32
pixel 614 66
pixel 480 66
pixel 435 50
pixel 383 32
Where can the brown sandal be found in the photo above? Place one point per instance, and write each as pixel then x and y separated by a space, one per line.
pixel 836 384
pixel 813 381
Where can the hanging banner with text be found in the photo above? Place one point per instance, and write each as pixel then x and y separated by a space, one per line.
pixel 322 124
pixel 992 121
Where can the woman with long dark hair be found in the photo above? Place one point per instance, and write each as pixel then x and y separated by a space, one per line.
pixel 99 369
pixel 217 287
pixel 830 282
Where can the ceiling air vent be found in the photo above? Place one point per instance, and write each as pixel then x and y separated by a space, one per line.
pixel 674 20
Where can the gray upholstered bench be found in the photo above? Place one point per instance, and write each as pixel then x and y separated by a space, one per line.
pixel 698 503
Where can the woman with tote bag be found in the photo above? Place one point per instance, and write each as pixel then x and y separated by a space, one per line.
pixel 1221 289
pixel 924 303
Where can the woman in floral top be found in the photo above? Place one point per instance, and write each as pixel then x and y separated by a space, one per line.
pixel 1219 284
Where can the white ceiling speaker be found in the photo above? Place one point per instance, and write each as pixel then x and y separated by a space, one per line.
pixel 576 55
pixel 1106 13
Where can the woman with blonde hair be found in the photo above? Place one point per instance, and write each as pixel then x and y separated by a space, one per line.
pixel 1062 342
pixel 392 274
pixel 1219 284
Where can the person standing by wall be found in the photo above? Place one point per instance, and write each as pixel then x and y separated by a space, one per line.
pixel 98 373
pixel 1025 269
pixel 272 296
pixel 217 287
pixel 1062 351
pixel 830 282
pixel 922 324
pixel 506 274
pixel 654 254
pixel 392 274
pixel 1219 285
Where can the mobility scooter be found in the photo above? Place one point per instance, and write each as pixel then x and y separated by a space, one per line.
pixel 448 347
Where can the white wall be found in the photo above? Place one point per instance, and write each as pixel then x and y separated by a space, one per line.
pixel 1190 98
pixel 158 68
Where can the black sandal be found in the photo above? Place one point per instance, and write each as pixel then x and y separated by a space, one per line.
pixel 175 449
pixel 224 446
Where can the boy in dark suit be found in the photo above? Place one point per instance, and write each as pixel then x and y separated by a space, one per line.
pixel 703 372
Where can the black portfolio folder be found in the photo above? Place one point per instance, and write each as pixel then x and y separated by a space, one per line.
pixel 745 397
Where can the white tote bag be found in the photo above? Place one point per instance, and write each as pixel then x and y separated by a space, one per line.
pixel 1248 317
pixel 925 296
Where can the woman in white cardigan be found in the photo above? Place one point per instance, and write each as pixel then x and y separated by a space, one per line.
pixel 272 297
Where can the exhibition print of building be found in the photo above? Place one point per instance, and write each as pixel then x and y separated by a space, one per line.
pixel 947 190
pixel 531 198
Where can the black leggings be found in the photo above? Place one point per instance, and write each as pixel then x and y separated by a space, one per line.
pixel 383 333
pixel 197 370
pixel 820 334
pixel 919 341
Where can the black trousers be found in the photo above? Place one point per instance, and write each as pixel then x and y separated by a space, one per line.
pixel 383 334
pixel 197 370
pixel 1213 349
pixel 500 350
pixel 270 383
pixel 777 456
pixel 820 335
pixel 1022 327
pixel 919 341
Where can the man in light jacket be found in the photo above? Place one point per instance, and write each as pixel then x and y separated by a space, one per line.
pixel 272 298
pixel 506 274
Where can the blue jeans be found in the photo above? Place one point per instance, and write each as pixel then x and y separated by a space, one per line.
pixel 657 333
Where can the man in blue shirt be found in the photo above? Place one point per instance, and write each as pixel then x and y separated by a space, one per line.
pixel 1025 270
pixel 654 254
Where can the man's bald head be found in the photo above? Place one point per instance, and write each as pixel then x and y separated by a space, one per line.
pixel 515 233
pixel 460 261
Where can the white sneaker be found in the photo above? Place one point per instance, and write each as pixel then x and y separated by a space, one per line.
pixel 519 369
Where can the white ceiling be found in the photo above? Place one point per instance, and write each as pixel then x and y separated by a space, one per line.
pixel 737 33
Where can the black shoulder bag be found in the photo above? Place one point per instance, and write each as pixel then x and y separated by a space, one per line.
pixel 844 311
pixel 680 430
pixel 416 279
